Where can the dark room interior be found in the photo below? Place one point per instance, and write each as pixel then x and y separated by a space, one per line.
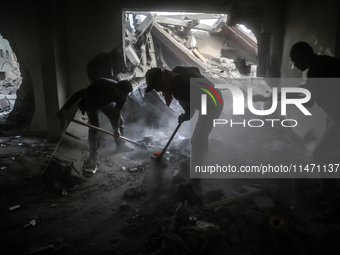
pixel 134 204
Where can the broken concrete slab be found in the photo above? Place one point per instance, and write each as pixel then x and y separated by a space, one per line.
pixel 5 104
pixel 180 50
pixel 144 25
pixel 65 167
pixel 176 22
pixel 130 52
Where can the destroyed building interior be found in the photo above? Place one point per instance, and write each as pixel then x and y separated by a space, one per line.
pixel 133 204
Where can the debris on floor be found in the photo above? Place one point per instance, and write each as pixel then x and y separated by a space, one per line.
pixel 155 204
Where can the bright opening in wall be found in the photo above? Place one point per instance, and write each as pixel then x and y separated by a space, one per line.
pixel 169 39
pixel 10 77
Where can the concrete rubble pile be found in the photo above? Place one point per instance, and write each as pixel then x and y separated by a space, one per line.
pixel 167 40
pixel 8 88
pixel 256 218
pixel 164 213
pixel 10 85
pixel 5 105
pixel 17 146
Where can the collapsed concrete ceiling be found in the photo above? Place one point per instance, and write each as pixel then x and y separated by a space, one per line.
pixel 167 40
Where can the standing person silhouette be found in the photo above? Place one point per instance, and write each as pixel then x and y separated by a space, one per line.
pixel 327 96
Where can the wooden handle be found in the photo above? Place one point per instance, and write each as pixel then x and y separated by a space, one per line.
pixel 166 146
pixel 101 130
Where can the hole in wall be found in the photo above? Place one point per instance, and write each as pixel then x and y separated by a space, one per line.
pixel 16 91
pixel 10 77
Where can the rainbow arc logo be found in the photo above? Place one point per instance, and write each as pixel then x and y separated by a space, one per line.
pixel 204 97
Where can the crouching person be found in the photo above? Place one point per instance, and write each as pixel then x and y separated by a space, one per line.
pixel 102 96
pixel 177 84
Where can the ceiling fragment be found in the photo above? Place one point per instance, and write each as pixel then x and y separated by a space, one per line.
pixel 167 40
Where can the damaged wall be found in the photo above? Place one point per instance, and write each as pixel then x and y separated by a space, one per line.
pixel 77 31
pixel 18 26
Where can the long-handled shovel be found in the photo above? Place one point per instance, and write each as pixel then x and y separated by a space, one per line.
pixel 160 155
pixel 144 146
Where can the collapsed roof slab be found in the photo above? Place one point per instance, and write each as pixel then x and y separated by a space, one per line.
pixel 245 42
pixel 194 16
pixel 186 56
pixel 194 23
pixel 177 22
pixel 145 24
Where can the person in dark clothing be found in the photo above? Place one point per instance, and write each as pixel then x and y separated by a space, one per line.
pixel 326 95
pixel 176 84
pixel 102 96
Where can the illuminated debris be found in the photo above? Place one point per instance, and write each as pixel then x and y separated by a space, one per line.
pixel 148 139
pixel 137 168
pixel 5 104
pixel 170 40
pixel 14 207
pixel 31 223
pixel 133 169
